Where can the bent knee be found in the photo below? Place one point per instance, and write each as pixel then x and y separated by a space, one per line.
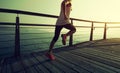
pixel 74 30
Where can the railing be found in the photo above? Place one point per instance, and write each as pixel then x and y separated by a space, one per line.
pixel 17 28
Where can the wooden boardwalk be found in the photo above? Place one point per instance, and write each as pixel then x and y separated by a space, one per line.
pixel 101 56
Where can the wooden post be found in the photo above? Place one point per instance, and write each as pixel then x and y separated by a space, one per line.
pixel 91 34
pixel 105 31
pixel 17 38
pixel 71 36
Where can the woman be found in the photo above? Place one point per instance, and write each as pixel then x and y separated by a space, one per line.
pixel 62 22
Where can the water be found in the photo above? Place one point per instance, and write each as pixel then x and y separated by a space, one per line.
pixel 38 38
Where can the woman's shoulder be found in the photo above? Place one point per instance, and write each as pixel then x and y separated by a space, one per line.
pixel 68 4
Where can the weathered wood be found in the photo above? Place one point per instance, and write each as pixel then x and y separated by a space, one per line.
pixel 71 36
pixel 71 65
pixel 105 32
pixel 28 65
pixel 47 64
pixel 91 33
pixel 17 67
pixel 17 38
pixel 107 65
pixel 84 63
pixel 90 57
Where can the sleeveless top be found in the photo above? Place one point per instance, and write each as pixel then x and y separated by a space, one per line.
pixel 61 20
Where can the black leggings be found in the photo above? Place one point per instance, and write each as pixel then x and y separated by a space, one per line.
pixel 59 28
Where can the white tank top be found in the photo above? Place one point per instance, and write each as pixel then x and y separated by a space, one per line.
pixel 61 20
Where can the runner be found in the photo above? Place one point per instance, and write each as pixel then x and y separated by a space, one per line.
pixel 63 21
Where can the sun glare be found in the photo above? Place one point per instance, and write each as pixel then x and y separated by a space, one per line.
pixel 100 10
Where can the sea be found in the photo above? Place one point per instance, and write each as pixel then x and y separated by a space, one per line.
pixel 38 38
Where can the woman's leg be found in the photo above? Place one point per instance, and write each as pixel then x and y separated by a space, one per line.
pixel 55 38
pixel 72 30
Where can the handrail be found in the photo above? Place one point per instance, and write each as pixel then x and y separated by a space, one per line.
pixel 26 13
pixel 33 24
pixel 17 26
pixel 25 24
pixel 48 15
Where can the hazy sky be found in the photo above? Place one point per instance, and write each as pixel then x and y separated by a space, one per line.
pixel 98 10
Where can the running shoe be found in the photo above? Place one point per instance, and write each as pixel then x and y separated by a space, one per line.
pixel 63 39
pixel 50 56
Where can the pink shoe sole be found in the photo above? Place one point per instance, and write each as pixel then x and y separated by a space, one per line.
pixel 50 56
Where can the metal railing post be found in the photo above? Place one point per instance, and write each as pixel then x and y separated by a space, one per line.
pixel 91 34
pixel 105 32
pixel 71 36
pixel 17 38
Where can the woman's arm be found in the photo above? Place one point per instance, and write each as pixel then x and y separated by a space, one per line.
pixel 64 10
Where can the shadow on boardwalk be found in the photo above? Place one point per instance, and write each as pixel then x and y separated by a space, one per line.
pixel 102 56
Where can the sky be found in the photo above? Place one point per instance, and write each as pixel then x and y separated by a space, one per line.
pixel 96 10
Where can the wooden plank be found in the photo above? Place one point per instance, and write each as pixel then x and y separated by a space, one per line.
pixel 1 64
pixel 28 66
pixel 6 68
pixel 99 58
pixel 70 65
pixel 61 66
pixel 41 67
pixel 114 49
pixel 99 62
pixel 17 66
pixel 36 64
pixel 99 53
pixel 84 63
pixel 71 60
pixel 46 63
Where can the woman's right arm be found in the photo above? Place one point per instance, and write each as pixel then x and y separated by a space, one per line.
pixel 64 10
